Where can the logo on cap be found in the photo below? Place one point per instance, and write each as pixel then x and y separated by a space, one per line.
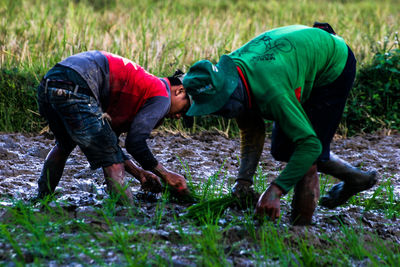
pixel 205 88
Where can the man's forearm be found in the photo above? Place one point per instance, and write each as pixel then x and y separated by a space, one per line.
pixel 132 168
pixel 160 171
pixel 252 137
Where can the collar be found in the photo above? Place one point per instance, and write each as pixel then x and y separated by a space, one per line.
pixel 241 75
pixel 167 85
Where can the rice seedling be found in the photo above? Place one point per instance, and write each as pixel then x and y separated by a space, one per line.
pixel 211 208
pixel 383 198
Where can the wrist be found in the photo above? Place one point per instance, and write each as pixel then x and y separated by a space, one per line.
pixel 276 189
pixel 132 168
pixel 160 171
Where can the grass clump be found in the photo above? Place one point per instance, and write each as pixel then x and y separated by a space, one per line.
pixel 373 103
pixel 18 107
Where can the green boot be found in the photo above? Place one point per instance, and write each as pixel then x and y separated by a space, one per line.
pixel 353 179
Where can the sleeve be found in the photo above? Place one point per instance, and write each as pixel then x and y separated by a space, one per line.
pixel 252 137
pixel 294 122
pixel 152 112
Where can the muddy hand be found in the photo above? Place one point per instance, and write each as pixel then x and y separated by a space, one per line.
pixel 244 192
pixel 269 203
pixel 178 184
pixel 150 182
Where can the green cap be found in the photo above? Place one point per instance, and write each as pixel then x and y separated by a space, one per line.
pixel 210 86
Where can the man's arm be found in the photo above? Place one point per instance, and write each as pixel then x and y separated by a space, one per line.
pixel 144 122
pixel 252 137
pixel 148 180
pixel 176 181
pixel 293 120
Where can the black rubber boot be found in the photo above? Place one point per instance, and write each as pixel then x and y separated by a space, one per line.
pixel 52 171
pixel 353 179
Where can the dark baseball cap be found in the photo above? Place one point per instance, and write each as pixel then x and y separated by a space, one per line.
pixel 209 85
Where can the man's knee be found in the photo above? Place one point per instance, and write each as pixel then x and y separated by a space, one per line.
pixel 280 154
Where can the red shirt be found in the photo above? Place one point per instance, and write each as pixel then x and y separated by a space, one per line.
pixel 130 87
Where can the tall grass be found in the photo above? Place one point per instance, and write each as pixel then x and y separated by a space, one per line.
pixel 165 35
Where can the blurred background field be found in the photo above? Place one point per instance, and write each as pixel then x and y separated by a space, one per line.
pixel 164 35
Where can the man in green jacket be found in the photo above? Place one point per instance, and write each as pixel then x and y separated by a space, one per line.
pixel 299 77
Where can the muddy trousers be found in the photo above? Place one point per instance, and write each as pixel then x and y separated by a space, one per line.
pixel 305 198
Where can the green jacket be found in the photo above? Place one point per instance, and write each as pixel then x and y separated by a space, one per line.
pixel 282 66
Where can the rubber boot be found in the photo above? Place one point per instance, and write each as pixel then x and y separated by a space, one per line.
pixel 305 198
pixel 353 179
pixel 52 171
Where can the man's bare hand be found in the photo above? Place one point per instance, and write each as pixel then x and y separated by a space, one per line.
pixel 269 203
pixel 176 181
pixel 150 182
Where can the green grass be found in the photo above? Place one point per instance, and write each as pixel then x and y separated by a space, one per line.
pixel 164 35
pixel 131 236
pixel 384 198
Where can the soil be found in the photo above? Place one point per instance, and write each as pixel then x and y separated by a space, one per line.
pixel 22 157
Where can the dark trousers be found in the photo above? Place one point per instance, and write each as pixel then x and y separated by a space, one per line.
pixel 324 109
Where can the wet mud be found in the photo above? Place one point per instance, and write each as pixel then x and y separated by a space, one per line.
pixel 200 156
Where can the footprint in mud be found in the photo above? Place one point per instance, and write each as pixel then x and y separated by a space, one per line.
pixel 7 155
pixel 39 152
pixel 186 153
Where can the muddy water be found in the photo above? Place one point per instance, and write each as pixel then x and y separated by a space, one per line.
pixel 203 154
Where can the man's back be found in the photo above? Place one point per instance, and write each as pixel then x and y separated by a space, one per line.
pixel 287 58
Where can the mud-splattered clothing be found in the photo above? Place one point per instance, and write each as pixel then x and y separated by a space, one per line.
pixel 135 100
pixel 282 67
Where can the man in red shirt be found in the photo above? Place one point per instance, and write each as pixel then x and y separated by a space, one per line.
pixel 89 99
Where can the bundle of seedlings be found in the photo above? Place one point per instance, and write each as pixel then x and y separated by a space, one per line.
pixel 211 208
pixel 214 208
pixel 175 196
pixel 150 193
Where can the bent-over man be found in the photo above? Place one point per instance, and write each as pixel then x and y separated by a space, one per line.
pixel 89 99
pixel 299 77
